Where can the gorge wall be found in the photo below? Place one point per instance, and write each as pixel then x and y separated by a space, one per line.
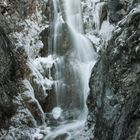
pixel 21 106
pixel 114 97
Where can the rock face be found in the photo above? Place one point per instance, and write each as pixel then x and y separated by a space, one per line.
pixel 114 99
pixel 21 112
pixel 7 73
pixel 18 112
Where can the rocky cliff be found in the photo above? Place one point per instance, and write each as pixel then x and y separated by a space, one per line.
pixel 21 106
pixel 114 99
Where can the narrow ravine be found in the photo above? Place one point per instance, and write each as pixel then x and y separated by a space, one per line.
pixel 50 86
pixel 74 58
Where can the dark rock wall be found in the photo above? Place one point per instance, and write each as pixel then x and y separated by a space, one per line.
pixel 7 83
pixel 114 99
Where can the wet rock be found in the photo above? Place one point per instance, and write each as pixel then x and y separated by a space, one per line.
pixel 103 14
pixel 32 104
pixel 62 137
pixel 44 37
pixel 50 101
pixel 114 99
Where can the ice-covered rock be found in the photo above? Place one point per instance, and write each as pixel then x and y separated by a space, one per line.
pixel 56 112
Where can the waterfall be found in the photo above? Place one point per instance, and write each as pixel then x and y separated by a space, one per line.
pixel 74 59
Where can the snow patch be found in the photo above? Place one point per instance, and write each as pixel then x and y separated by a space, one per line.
pixel 38 135
pixel 29 37
pixel 43 81
pixel 44 62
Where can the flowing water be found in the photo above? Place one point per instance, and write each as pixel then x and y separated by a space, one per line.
pixel 74 58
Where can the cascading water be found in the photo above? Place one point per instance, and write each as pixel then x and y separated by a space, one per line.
pixel 74 59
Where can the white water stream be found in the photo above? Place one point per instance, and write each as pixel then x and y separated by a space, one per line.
pixel 74 59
